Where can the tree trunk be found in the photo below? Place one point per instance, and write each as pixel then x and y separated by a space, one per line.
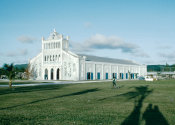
pixel 10 84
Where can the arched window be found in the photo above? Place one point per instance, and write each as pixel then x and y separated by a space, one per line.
pixel 49 45
pixel 45 58
pixel 56 58
pixel 50 58
pixel 54 45
pixel 53 57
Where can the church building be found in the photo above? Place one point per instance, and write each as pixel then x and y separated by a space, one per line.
pixel 56 62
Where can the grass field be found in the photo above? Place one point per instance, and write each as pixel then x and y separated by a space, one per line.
pixel 20 82
pixel 134 103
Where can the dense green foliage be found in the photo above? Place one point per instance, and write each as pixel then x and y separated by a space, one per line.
pixel 161 68
pixel 17 69
pixel 134 103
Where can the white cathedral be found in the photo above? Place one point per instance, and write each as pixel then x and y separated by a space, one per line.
pixel 56 62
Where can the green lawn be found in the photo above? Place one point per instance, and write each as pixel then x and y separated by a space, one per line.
pixel 134 103
pixel 21 82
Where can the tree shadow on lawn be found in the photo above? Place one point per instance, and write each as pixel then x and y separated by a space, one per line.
pixel 132 94
pixel 67 95
pixel 31 89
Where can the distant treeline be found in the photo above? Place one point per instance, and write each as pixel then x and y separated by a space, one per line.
pixel 150 68
pixel 161 68
pixel 18 68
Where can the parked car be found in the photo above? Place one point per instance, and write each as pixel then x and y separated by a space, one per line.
pixel 147 78
pixel 141 78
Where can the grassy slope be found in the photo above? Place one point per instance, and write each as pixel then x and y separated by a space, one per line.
pixel 93 103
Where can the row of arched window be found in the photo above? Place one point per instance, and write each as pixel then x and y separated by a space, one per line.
pixel 52 45
pixel 51 58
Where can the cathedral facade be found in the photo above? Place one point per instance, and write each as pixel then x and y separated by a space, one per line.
pixel 56 62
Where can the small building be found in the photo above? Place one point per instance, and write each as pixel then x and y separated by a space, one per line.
pixel 57 62
pixel 162 75
pixel 3 77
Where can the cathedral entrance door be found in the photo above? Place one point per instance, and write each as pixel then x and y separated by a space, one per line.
pixel 51 74
pixel 46 74
pixel 58 73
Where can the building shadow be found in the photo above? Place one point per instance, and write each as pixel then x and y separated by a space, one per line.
pixel 61 96
pixel 139 95
pixel 153 116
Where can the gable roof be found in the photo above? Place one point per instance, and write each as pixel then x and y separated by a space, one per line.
pixel 108 60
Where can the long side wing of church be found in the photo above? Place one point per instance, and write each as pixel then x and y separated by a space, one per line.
pixel 56 62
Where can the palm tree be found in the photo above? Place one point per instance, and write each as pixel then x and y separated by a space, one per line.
pixel 10 72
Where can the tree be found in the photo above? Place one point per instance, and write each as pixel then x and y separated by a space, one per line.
pixel 129 74
pixel 29 71
pixel 10 72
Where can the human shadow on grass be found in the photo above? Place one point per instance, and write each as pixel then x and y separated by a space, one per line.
pixel 31 89
pixel 61 96
pixel 153 116
pixel 139 95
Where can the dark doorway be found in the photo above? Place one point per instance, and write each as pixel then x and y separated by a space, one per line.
pixel 91 76
pixel 106 75
pixel 98 75
pixel 113 75
pixel 46 74
pixel 88 75
pixel 120 75
pixel 58 73
pixel 51 74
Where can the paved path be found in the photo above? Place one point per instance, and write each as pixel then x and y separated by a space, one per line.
pixel 39 83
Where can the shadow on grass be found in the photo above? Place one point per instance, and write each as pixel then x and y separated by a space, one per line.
pixel 153 116
pixel 30 89
pixel 139 95
pixel 67 95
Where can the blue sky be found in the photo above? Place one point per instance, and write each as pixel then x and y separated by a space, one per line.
pixel 138 30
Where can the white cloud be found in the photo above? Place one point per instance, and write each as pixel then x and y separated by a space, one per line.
pixel 23 52
pixel 26 39
pixel 20 52
pixel 99 41
pixel 87 24
pixel 11 54
pixel 164 47
pixel 167 55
